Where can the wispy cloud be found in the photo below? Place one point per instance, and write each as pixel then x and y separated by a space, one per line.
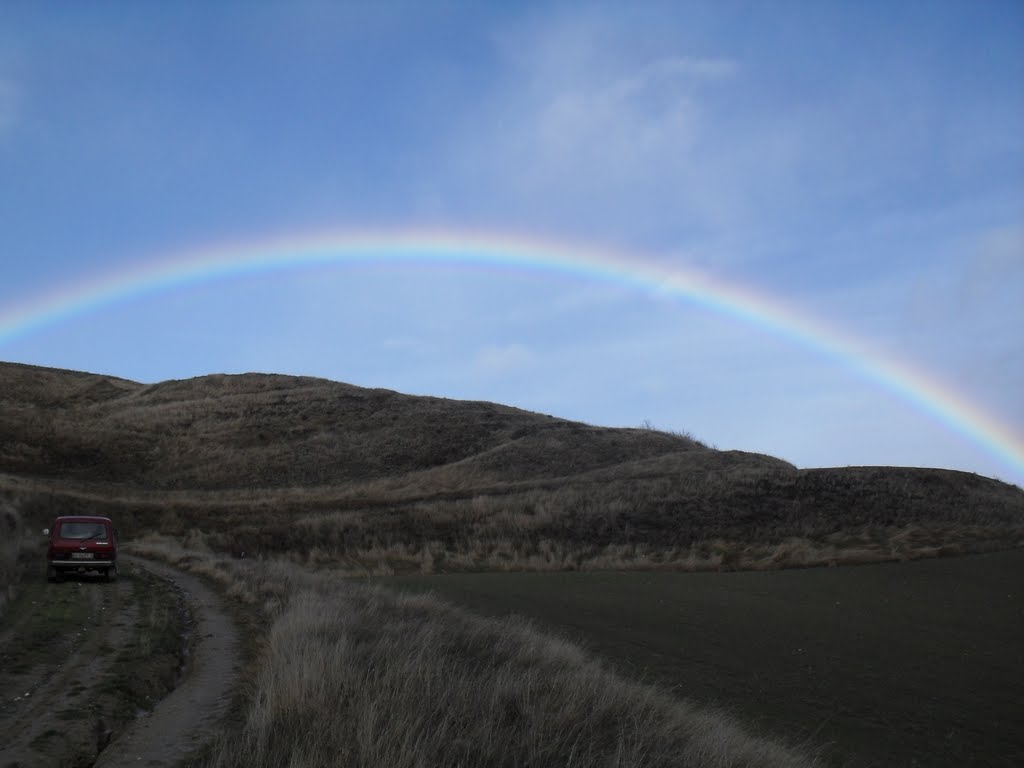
pixel 585 129
pixel 991 315
pixel 405 344
pixel 694 66
pixel 10 104
pixel 627 127
pixel 996 270
pixel 501 359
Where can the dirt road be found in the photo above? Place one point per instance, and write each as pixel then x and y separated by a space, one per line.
pixel 138 672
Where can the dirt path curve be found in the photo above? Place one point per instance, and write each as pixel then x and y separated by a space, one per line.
pixel 192 713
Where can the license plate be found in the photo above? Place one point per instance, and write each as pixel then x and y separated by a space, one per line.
pixel 81 555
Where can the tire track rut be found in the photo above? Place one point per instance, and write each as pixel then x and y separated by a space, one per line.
pixel 191 715
pixel 71 681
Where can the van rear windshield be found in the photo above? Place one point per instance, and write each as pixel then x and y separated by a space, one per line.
pixel 82 530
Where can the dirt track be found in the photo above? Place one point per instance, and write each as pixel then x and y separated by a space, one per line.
pixel 83 663
pixel 190 715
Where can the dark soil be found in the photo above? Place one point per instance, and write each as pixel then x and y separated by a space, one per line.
pixel 81 659
pixel 903 664
pixel 135 672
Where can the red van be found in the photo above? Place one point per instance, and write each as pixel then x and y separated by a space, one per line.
pixel 79 544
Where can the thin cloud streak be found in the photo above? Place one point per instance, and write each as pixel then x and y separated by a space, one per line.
pixel 10 105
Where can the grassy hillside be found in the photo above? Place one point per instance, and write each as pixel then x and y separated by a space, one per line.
pixel 373 480
pixel 264 431
pixel 273 486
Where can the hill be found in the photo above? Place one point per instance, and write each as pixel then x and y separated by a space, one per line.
pixel 330 473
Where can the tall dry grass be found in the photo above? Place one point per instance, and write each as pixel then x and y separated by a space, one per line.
pixel 10 546
pixel 373 481
pixel 358 676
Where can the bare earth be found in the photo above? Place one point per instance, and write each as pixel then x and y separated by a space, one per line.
pixel 191 714
pixel 58 683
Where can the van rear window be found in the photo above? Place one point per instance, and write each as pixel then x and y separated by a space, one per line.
pixel 82 531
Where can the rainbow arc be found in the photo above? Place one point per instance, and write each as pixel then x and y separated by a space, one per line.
pixel 182 269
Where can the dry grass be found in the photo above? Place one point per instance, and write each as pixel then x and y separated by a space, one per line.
pixel 10 544
pixel 276 486
pixel 231 432
pixel 665 520
pixel 356 675
pixel 376 482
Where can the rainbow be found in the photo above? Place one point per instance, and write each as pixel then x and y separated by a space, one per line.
pixel 483 251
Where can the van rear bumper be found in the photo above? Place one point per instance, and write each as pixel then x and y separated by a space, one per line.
pixel 82 563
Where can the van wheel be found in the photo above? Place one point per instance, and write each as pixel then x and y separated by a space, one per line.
pixel 51 573
pixel 111 573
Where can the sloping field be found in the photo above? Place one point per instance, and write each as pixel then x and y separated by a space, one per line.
pixel 324 473
pixel 896 664
pixel 278 486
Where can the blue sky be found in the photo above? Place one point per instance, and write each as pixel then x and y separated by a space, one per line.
pixel 861 162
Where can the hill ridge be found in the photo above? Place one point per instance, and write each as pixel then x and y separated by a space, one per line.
pixel 272 463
